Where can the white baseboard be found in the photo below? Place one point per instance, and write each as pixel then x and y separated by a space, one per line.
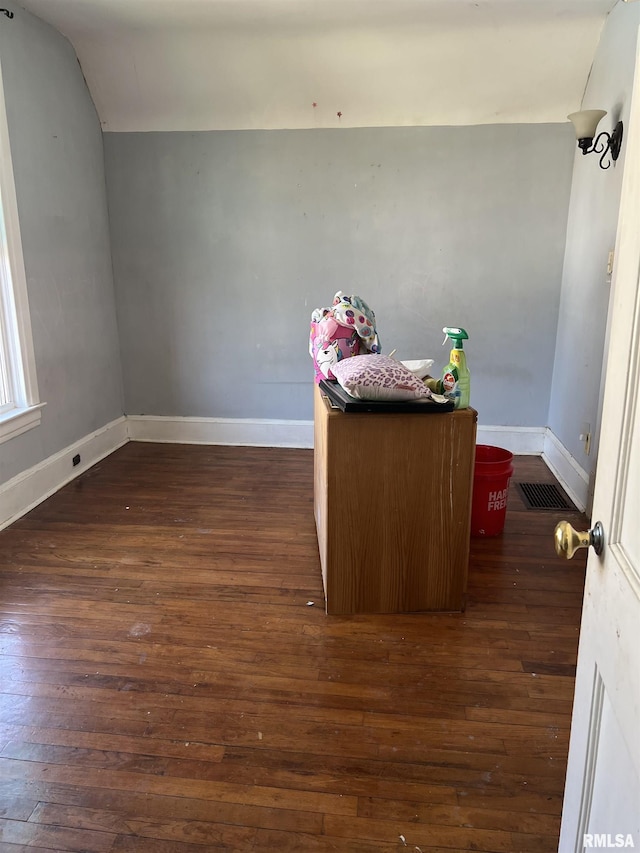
pixel 29 488
pixel 281 433
pixel 248 432
pixel 541 441
pixel 524 441
pixel 573 479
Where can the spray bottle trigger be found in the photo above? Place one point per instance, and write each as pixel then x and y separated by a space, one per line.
pixel 446 338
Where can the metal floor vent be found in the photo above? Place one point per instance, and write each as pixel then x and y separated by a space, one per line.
pixel 543 496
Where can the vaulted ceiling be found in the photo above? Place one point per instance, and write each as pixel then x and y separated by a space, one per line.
pixel 231 64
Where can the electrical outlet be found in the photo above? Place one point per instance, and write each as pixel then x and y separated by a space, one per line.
pixel 76 460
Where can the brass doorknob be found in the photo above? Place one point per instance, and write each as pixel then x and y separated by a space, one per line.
pixel 568 540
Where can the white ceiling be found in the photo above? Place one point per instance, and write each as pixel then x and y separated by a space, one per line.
pixel 231 64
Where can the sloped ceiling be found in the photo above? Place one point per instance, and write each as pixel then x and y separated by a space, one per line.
pixel 232 64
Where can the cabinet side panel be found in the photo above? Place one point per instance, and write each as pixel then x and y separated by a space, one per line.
pixel 320 481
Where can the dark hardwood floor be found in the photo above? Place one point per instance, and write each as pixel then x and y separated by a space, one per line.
pixel 170 681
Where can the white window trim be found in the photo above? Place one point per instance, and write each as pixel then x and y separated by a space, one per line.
pixel 25 414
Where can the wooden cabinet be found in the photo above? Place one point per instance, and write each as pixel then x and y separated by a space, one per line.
pixel 392 500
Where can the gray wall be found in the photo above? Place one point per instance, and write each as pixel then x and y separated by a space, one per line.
pixel 591 234
pixel 223 243
pixel 56 146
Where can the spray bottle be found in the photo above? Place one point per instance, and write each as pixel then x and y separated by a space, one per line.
pixel 456 380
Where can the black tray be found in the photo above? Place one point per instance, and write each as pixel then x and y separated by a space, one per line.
pixel 346 403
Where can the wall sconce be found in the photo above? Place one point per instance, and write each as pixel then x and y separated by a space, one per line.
pixel 585 123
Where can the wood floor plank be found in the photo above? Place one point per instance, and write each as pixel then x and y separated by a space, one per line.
pixel 295 842
pixel 166 687
pixel 419 834
pixel 30 835
pixel 209 833
pixel 120 744
pixel 126 779
pixel 14 807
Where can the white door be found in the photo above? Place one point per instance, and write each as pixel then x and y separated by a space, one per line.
pixel 602 795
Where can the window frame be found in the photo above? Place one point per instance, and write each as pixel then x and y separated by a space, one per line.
pixel 17 360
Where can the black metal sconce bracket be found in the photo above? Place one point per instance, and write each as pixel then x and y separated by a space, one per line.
pixel 605 144
pixel 7 12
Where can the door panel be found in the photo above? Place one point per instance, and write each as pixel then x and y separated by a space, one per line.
pixel 602 792
pixel 613 815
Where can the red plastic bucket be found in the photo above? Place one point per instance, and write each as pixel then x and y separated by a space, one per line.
pixel 492 472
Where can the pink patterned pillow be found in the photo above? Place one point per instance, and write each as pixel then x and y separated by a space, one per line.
pixel 378 377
